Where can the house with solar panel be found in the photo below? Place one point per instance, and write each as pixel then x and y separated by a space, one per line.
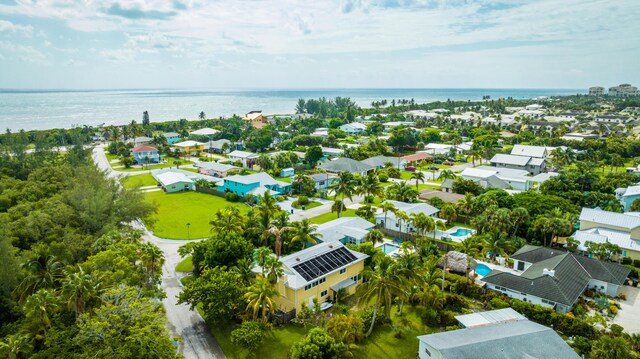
pixel 319 272
pixel 554 278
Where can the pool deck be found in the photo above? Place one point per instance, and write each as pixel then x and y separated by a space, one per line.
pixel 454 229
pixel 497 267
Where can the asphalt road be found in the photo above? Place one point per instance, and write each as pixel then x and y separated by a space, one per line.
pixel 197 341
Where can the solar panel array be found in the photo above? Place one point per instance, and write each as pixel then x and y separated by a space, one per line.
pixel 324 263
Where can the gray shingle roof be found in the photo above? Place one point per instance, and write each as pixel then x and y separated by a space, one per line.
pixel 534 254
pixel 520 339
pixel 345 164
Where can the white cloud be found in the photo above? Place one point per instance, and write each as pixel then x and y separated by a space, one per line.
pixel 8 26
pixel 22 52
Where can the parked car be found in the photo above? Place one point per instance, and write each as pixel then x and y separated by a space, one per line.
pixel 410 168
pixel 451 159
pixel 437 161
pixel 449 163
pixel 434 168
pixel 462 159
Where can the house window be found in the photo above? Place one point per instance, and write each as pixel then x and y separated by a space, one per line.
pixel 323 293
pixel 343 270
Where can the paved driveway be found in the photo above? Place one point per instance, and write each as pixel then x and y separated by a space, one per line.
pixel 629 315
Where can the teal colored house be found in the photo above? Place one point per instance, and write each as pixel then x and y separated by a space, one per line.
pixel 145 154
pixel 626 196
pixel 256 184
pixel 172 137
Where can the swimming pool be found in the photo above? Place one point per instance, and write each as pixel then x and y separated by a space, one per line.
pixel 388 248
pixel 482 269
pixel 461 232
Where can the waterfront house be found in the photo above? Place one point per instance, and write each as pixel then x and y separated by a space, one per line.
pixel 554 278
pixel 502 333
pixel 145 154
pixel 346 230
pixel 256 119
pixel 191 148
pixel 344 164
pixel 353 128
pixel 256 184
pixel 396 224
pixel 172 137
pixel 318 272
pixel 248 159
pixel 627 196
pixel 214 169
pixel 600 226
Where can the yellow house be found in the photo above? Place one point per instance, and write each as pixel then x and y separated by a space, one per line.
pixel 601 226
pixel 189 147
pixel 319 272
pixel 256 118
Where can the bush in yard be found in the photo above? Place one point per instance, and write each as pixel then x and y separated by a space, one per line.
pixel 249 335
pixel 231 197
pixel 581 345
pixel 317 344
pixel 346 329
pixel 636 263
pixel 382 177
pixel 367 315
pixel 430 317
pixel 303 200
pixel 393 172
pixel 446 318
pixel 497 303
pixel 626 260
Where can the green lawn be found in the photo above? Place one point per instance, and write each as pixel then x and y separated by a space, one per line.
pixel 284 179
pixel 310 205
pixel 422 187
pixel 167 164
pixel 138 181
pixel 175 210
pixel 331 216
pixel 275 344
pixel 111 157
pixel 185 266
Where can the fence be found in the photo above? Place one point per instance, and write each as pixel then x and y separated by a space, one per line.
pixel 216 192
pixel 282 317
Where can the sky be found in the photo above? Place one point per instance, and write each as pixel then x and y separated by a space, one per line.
pixel 252 44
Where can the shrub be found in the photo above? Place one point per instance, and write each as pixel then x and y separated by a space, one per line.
pixel 447 318
pixel 393 172
pixel 249 335
pixel 430 317
pixel 340 309
pixel 455 302
pixel 383 177
pixel 613 310
pixel 626 260
pixel 581 345
pixel 451 327
pixel 636 263
pixel 367 315
pixel 497 303
pixel 231 197
pixel 346 328
pixel 303 200
pixel 579 310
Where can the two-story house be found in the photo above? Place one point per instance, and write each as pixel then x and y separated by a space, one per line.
pixel 390 220
pixel 192 148
pixel 172 137
pixel 600 226
pixel 145 154
pixel 248 159
pixel 353 128
pixel 256 184
pixel 256 118
pixel 627 196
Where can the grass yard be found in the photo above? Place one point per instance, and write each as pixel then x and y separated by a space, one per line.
pixel 111 157
pixel 275 344
pixel 309 205
pixel 138 181
pixel 167 164
pixel 422 187
pixel 175 210
pixel 323 218
pixel 284 179
pixel 186 265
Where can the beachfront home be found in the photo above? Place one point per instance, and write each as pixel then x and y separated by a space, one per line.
pixel 256 184
pixel 600 226
pixel 172 137
pixel 318 272
pixel 627 196
pixel 215 169
pixel 353 128
pixel 248 159
pixel 191 148
pixel 174 181
pixel 323 180
pixel 256 119
pixel 555 278
pixel 379 162
pixel 145 154
pixel 345 230
pixel 397 224
pixel 344 164
pixel 502 333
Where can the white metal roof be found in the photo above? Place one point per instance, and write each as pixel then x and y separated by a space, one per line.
pixel 604 235
pixel 337 229
pixel 169 178
pixel 609 218
pixel 188 143
pixel 510 159
pixel 204 132
pixel 477 172
pixel 242 154
pixel 490 317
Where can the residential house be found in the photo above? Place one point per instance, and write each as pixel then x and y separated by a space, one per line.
pixel 204 132
pixel 141 140
pixel 189 147
pixel 576 136
pixel 346 230
pixel 539 179
pixel 172 137
pixel 613 119
pixel 219 170
pixel 318 272
pixel 256 119
pixel 493 177
pixel 438 149
pixel 531 151
pixel 379 162
pixel 353 128
pixel 397 224
pixel 447 185
pixel 416 158
pixel 500 334
pixel 344 164
pixel 388 126
pixel 174 181
pixel 323 180
pixel 145 154
pixel 217 146
pixel 248 159
pixel 321 132
pixel 256 184
pixel 601 226
pixel 333 152
pixel 627 196
pixel 554 278
pixel 531 164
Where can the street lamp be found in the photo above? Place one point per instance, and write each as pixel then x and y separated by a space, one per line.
pixel 188 230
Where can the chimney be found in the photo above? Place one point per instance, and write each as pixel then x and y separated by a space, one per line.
pixel 549 272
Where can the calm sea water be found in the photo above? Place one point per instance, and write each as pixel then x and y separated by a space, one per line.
pixel 41 109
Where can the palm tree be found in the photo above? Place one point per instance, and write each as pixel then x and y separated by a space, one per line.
pixel 469 246
pixel 344 188
pixel 39 308
pixel 267 208
pixel 422 223
pixel 260 296
pixel 519 216
pixel 261 254
pixel 448 174
pixel 418 176
pixel 79 288
pixel 304 232
pixel 383 283
pixel 401 191
pixel 152 258
pixel 465 204
pixel 387 207
pixel 370 186
pixel 277 233
pixel 272 269
pixel 496 243
pixel 16 346
pixel 202 116
pixel 448 212
pixel 431 282
pixel 402 216
pixel 228 220
pixel 244 269
pixel 374 236
pixel 43 271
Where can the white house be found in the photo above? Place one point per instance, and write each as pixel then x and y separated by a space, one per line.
pixel 353 128
pixel 495 177
pixel 346 230
pixel 533 165
pixel 393 223
pixel 248 159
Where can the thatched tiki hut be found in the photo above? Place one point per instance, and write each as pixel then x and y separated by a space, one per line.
pixel 458 262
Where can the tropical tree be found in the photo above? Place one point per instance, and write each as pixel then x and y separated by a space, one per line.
pixel 401 191
pixel 386 208
pixel 383 284
pixel 465 204
pixel 370 186
pixel 259 298
pixel 16 346
pixel 418 176
pixel 304 232
pixel 448 212
pixel 495 243
pixel 344 188
pixel 422 223
pixel 374 236
pixel 519 216
pixel 202 116
pixel 272 269
pixel 42 271
pixel 228 220
pixel 448 174
pixel 401 217
pixel 277 234
pixel 469 245
pixel 152 259
pixel 39 309
pixel 79 288
pixel 267 207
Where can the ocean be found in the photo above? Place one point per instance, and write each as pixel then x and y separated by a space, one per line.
pixel 47 109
